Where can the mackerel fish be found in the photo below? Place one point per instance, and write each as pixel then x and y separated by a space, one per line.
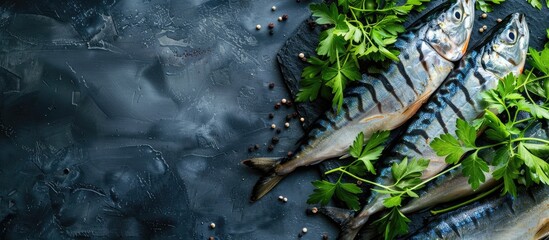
pixel 384 101
pixel 453 186
pixel 505 217
pixel 501 53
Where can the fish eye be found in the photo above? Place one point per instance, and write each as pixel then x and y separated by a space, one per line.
pixel 457 15
pixel 511 36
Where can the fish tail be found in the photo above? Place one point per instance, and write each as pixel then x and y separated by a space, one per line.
pixel 265 164
pixel 348 232
pixel 269 180
pixel 338 215
pixel 347 221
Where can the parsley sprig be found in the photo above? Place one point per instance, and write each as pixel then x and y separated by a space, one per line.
pixel 486 5
pixel 359 30
pixel 518 160
pixel 365 157
pixel 407 180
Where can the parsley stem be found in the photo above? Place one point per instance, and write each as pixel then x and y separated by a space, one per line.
pixel 522 120
pixel 528 80
pixel 358 178
pixel 482 195
pixel 491 145
pixel 434 177
pixel 530 139
pixel 373 10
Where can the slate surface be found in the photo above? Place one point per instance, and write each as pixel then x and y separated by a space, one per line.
pixel 123 118
pixel 130 119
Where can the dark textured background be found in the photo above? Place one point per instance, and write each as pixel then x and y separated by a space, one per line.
pixel 130 118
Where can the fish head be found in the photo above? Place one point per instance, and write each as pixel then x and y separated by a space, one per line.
pixel 506 52
pixel 450 31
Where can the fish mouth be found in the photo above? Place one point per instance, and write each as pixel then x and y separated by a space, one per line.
pixel 524 35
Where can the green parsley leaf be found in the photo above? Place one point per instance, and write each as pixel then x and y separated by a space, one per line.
pixel 466 133
pixel 540 60
pixel 497 130
pixel 373 150
pixel 537 111
pixel 346 192
pixel 325 14
pixel 494 102
pixel 407 173
pixel 474 168
pixel 447 145
pixel 330 45
pixel 393 201
pixel 323 192
pixel 536 164
pixel 393 224
pixel 485 5
pixel 337 84
pixel 356 149
pixel 535 3
pixel 540 150
pixel 506 168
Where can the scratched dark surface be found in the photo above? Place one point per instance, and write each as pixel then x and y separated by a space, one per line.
pixel 130 119
pixel 123 118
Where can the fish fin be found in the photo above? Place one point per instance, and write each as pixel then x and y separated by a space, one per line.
pixel 264 185
pixel 365 120
pixel 543 229
pixel 338 215
pixel 412 109
pixel 264 165
pixel 344 156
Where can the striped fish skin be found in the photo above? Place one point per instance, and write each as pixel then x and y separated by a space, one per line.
pixel 446 188
pixel 458 97
pixel 385 101
pixel 523 217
